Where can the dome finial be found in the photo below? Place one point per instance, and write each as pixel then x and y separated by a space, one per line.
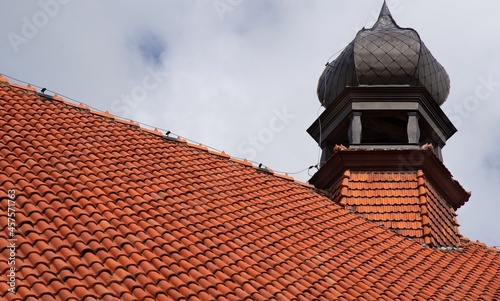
pixel 384 55
pixel 385 19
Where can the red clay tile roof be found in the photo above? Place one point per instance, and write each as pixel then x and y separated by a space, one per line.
pixel 404 202
pixel 110 211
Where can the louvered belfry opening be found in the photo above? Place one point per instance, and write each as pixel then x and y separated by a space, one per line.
pixel 383 126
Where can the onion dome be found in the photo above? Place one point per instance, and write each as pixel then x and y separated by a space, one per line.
pixel 384 55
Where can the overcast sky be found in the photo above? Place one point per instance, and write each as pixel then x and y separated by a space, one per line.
pixel 241 75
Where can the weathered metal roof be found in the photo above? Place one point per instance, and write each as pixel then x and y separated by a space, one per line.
pixel 385 54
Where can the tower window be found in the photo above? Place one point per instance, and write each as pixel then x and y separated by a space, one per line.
pixel 384 129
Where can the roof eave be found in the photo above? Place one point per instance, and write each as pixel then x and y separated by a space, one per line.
pixel 393 160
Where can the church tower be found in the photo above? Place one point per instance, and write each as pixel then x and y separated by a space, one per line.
pixel 382 131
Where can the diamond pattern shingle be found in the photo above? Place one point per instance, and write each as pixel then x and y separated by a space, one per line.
pixel 386 58
pixel 107 210
pixel 337 75
pixel 433 75
pixel 385 54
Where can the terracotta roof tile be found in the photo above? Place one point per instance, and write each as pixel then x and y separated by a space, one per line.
pixel 401 201
pixel 108 210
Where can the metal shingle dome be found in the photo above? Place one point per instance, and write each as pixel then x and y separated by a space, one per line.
pixel 384 55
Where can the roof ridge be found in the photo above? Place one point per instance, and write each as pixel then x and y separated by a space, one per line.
pixel 345 187
pixel 155 131
pixel 466 242
pixel 424 210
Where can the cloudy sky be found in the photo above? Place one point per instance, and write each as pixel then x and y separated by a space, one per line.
pixel 241 75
